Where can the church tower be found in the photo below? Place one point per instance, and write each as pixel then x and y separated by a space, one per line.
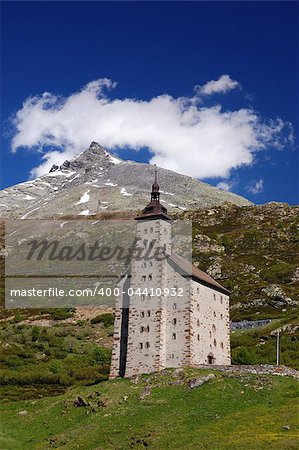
pixel 154 329
pixel 139 335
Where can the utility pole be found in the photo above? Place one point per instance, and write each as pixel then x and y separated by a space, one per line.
pixel 277 348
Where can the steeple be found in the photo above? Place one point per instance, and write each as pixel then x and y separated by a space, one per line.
pixel 154 210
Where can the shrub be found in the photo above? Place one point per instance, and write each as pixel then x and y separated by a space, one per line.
pixel 243 355
pixel 61 314
pixel 107 319
pixel 280 272
pixel 101 355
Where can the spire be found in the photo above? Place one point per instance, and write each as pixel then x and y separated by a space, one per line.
pixel 155 194
pixel 154 209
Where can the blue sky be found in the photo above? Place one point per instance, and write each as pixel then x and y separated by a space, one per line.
pixel 156 52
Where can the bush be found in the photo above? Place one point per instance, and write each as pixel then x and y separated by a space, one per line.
pixel 280 272
pixel 243 355
pixel 61 314
pixel 107 319
pixel 101 355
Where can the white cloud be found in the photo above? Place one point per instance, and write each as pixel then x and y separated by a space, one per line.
pixel 182 136
pixel 256 187
pixel 224 84
pixel 225 185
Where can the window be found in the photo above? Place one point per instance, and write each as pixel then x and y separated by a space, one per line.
pixel 174 321
pixel 151 230
pixel 221 316
pixel 198 307
pixel 150 264
pixel 210 333
pixel 221 344
pixel 197 322
pixel 147 328
pixel 150 277
pixel 172 356
pixel 214 328
pixel 145 243
pixel 215 342
pixel 221 299
pixel 141 329
pixel 174 306
pixel 214 313
pixel 142 314
pixel 198 337
pixel 198 290
pixel 143 277
pixel 140 345
pixel 145 231
pixel 147 345
pixel 214 295
pixel 148 313
pixel 173 336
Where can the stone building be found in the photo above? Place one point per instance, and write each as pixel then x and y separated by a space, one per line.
pixel 187 325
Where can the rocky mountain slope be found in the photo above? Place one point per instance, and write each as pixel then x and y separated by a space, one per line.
pixel 96 181
pixel 254 252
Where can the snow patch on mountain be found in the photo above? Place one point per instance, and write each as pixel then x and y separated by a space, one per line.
pixel 85 198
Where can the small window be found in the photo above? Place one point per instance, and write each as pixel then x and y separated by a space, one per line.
pixel 151 230
pixel 145 243
pixel 221 299
pixel 142 314
pixel 145 231
pixel 214 295
pixel 140 345
pixel 147 345
pixel 143 277
pixel 215 342
pixel 198 337
pixel 147 328
pixel 174 321
pixel 174 306
pixel 198 307
pixel 198 290
pixel 214 328
pixel 197 322
pixel 173 336
pixel 141 329
pixel 172 356
pixel 150 264
pixel 148 314
pixel 214 313
pixel 150 277
pixel 221 316
pixel 210 333
pixel 221 345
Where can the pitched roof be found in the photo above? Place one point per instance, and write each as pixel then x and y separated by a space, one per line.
pixel 190 270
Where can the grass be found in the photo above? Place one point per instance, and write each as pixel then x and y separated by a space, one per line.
pixel 258 345
pixel 228 412
pixel 37 361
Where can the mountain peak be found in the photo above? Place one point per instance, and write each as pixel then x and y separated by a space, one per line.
pixel 96 180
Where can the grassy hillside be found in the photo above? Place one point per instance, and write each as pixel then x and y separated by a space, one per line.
pixel 159 411
pixel 254 252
